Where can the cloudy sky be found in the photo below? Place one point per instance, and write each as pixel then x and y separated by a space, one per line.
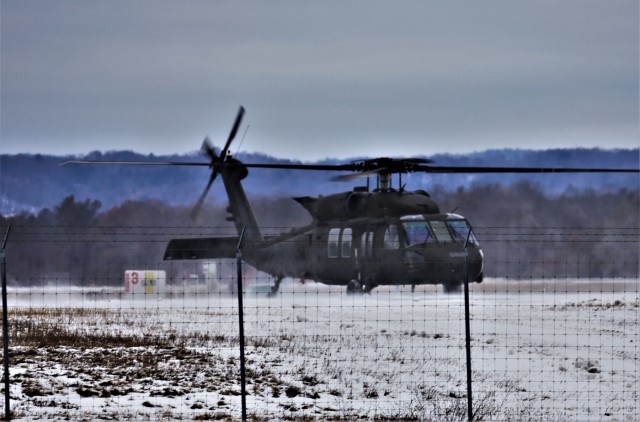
pixel 318 79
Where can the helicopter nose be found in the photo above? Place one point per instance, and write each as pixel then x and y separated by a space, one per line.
pixel 475 261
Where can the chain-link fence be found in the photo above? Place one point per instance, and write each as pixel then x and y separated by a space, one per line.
pixel 101 327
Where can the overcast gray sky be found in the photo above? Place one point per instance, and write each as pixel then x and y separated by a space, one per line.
pixel 319 79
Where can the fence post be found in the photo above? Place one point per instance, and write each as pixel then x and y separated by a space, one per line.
pixel 241 322
pixel 467 327
pixel 5 329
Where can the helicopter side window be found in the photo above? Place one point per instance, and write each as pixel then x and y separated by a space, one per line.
pixel 370 244
pixel 441 231
pixel 332 243
pixel 391 239
pixel 345 252
pixel 460 230
pixel 417 233
pixel 366 243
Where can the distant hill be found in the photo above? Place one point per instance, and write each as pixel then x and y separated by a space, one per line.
pixel 33 182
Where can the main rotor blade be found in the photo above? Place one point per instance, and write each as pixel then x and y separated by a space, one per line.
pixel 481 169
pixel 355 167
pixel 434 169
pixel 138 163
pixel 327 167
pixel 337 167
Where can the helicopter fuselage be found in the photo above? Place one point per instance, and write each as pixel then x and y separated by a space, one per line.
pixel 360 239
pixel 396 250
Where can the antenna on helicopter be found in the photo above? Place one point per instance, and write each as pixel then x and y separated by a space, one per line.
pixel 242 140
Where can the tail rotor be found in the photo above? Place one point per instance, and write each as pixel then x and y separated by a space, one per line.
pixel 216 160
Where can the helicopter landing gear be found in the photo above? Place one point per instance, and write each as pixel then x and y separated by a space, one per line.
pixel 275 287
pixel 451 287
pixel 355 287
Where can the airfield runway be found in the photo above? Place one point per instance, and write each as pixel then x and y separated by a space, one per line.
pixel 541 349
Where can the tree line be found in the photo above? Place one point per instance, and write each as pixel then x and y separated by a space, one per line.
pixel 524 233
pixel 32 182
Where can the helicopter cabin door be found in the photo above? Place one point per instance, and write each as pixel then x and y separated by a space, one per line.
pixel 365 262
pixel 389 252
pixel 381 253
pixel 339 254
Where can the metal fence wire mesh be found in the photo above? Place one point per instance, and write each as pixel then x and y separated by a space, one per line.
pixel 554 333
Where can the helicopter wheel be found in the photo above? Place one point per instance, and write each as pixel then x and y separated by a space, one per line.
pixel 451 287
pixel 354 287
pixel 275 287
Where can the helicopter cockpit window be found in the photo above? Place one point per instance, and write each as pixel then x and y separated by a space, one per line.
pixel 391 239
pixel 417 232
pixel 345 252
pixel 460 230
pixel 441 231
pixel 332 243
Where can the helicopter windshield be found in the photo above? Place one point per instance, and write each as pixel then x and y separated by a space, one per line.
pixel 460 229
pixel 441 231
pixel 419 231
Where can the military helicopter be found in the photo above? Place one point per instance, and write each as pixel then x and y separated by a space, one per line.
pixel 361 238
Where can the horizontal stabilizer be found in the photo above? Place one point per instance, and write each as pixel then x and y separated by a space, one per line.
pixel 202 248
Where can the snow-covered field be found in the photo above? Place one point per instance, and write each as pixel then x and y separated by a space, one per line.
pixel 541 350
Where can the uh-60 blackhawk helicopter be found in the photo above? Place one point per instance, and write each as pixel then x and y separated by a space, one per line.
pixel 361 238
